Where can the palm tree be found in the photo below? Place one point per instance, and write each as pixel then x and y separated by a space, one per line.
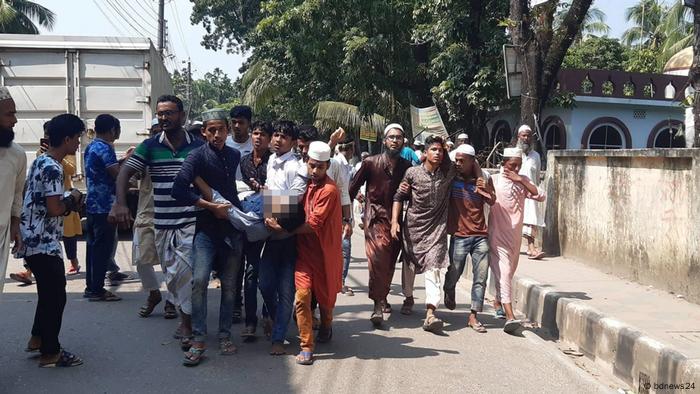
pixel 677 28
pixel 593 24
pixel 19 17
pixel 646 17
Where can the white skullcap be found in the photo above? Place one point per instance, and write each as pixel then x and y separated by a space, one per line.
pixel 466 149
pixel 512 152
pixel 319 150
pixel 5 93
pixel 462 137
pixel 523 128
pixel 393 126
pixel 450 143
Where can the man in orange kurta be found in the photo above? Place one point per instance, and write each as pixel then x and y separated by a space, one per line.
pixel 319 263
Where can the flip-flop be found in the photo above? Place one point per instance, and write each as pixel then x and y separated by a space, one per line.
pixel 169 311
pixel 226 347
pixel 572 352
pixel 65 359
pixel 193 357
pixel 512 326
pixel 277 350
pixel 537 256
pixel 478 327
pixel 305 358
pixel 73 271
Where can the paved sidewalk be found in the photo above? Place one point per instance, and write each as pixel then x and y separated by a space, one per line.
pixel 637 332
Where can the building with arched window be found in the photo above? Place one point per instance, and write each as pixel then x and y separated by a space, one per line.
pixel 612 110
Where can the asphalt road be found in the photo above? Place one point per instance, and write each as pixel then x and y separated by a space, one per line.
pixel 124 353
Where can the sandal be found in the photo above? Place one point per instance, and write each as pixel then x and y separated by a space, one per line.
pixel 73 271
pixel 512 326
pixel 169 311
pixel 324 335
pixel 226 347
pixel 107 296
pixel 305 358
pixel 407 307
pixel 377 318
pixel 22 277
pixel 154 298
pixel 386 307
pixel 478 327
pixel 193 357
pixel 433 324
pixel 65 359
pixel 277 349
pixel 186 342
pixel 536 256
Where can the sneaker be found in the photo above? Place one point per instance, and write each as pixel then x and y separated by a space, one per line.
pixel 450 302
pixel 500 313
pixel 512 326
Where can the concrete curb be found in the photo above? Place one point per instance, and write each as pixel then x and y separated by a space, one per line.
pixel 617 347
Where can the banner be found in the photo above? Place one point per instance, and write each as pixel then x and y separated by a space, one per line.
pixel 368 134
pixel 426 121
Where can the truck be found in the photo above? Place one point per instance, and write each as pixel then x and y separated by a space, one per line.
pixel 86 76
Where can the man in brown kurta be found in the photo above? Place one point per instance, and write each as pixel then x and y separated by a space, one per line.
pixel 383 174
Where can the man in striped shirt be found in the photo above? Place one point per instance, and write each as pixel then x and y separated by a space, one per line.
pixel 163 155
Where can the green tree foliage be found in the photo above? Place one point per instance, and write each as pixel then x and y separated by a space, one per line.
pixel 380 56
pixel 643 60
pixel 214 90
pixel 597 53
pixel 22 17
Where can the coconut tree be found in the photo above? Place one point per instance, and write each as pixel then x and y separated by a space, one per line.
pixel 593 25
pixel 22 17
pixel 646 17
pixel 677 29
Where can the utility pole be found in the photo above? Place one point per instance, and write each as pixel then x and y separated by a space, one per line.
pixel 161 27
pixel 189 86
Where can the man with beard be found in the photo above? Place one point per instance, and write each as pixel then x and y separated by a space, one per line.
pixel 534 212
pixel 162 155
pixel 382 173
pixel 13 168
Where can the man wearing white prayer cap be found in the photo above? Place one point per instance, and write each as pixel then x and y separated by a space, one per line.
pixel 319 264
pixel 505 229
pixel 534 211
pixel 382 175
pixel 462 138
pixel 469 193
pixel 13 168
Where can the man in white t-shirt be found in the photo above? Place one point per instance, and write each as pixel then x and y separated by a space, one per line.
pixel 240 139
pixel 241 116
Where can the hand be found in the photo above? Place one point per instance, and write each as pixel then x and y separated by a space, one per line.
pixel 395 230
pixel 15 237
pixel 405 187
pixel 513 176
pixel 255 185
pixel 273 225
pixel 347 230
pixel 43 148
pixel 337 136
pixel 480 183
pixel 119 214
pixel 220 211
pixel 77 196
pixel 360 198
pixel 129 152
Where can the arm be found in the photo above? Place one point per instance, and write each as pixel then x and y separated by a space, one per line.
pixel 68 164
pixel 183 193
pixel 52 189
pixel 359 179
pixel 396 211
pixel 205 189
pixel 16 209
pixel 486 190
pixel 109 159
pixel 137 163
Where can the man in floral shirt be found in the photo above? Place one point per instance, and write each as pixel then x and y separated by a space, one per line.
pixel 41 229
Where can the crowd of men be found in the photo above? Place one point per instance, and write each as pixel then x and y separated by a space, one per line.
pixel 197 218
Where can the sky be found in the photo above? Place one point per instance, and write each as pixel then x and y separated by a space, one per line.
pixel 87 17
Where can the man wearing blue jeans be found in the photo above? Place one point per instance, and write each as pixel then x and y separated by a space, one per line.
pixel 276 271
pixel 217 245
pixel 467 225
pixel 101 170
